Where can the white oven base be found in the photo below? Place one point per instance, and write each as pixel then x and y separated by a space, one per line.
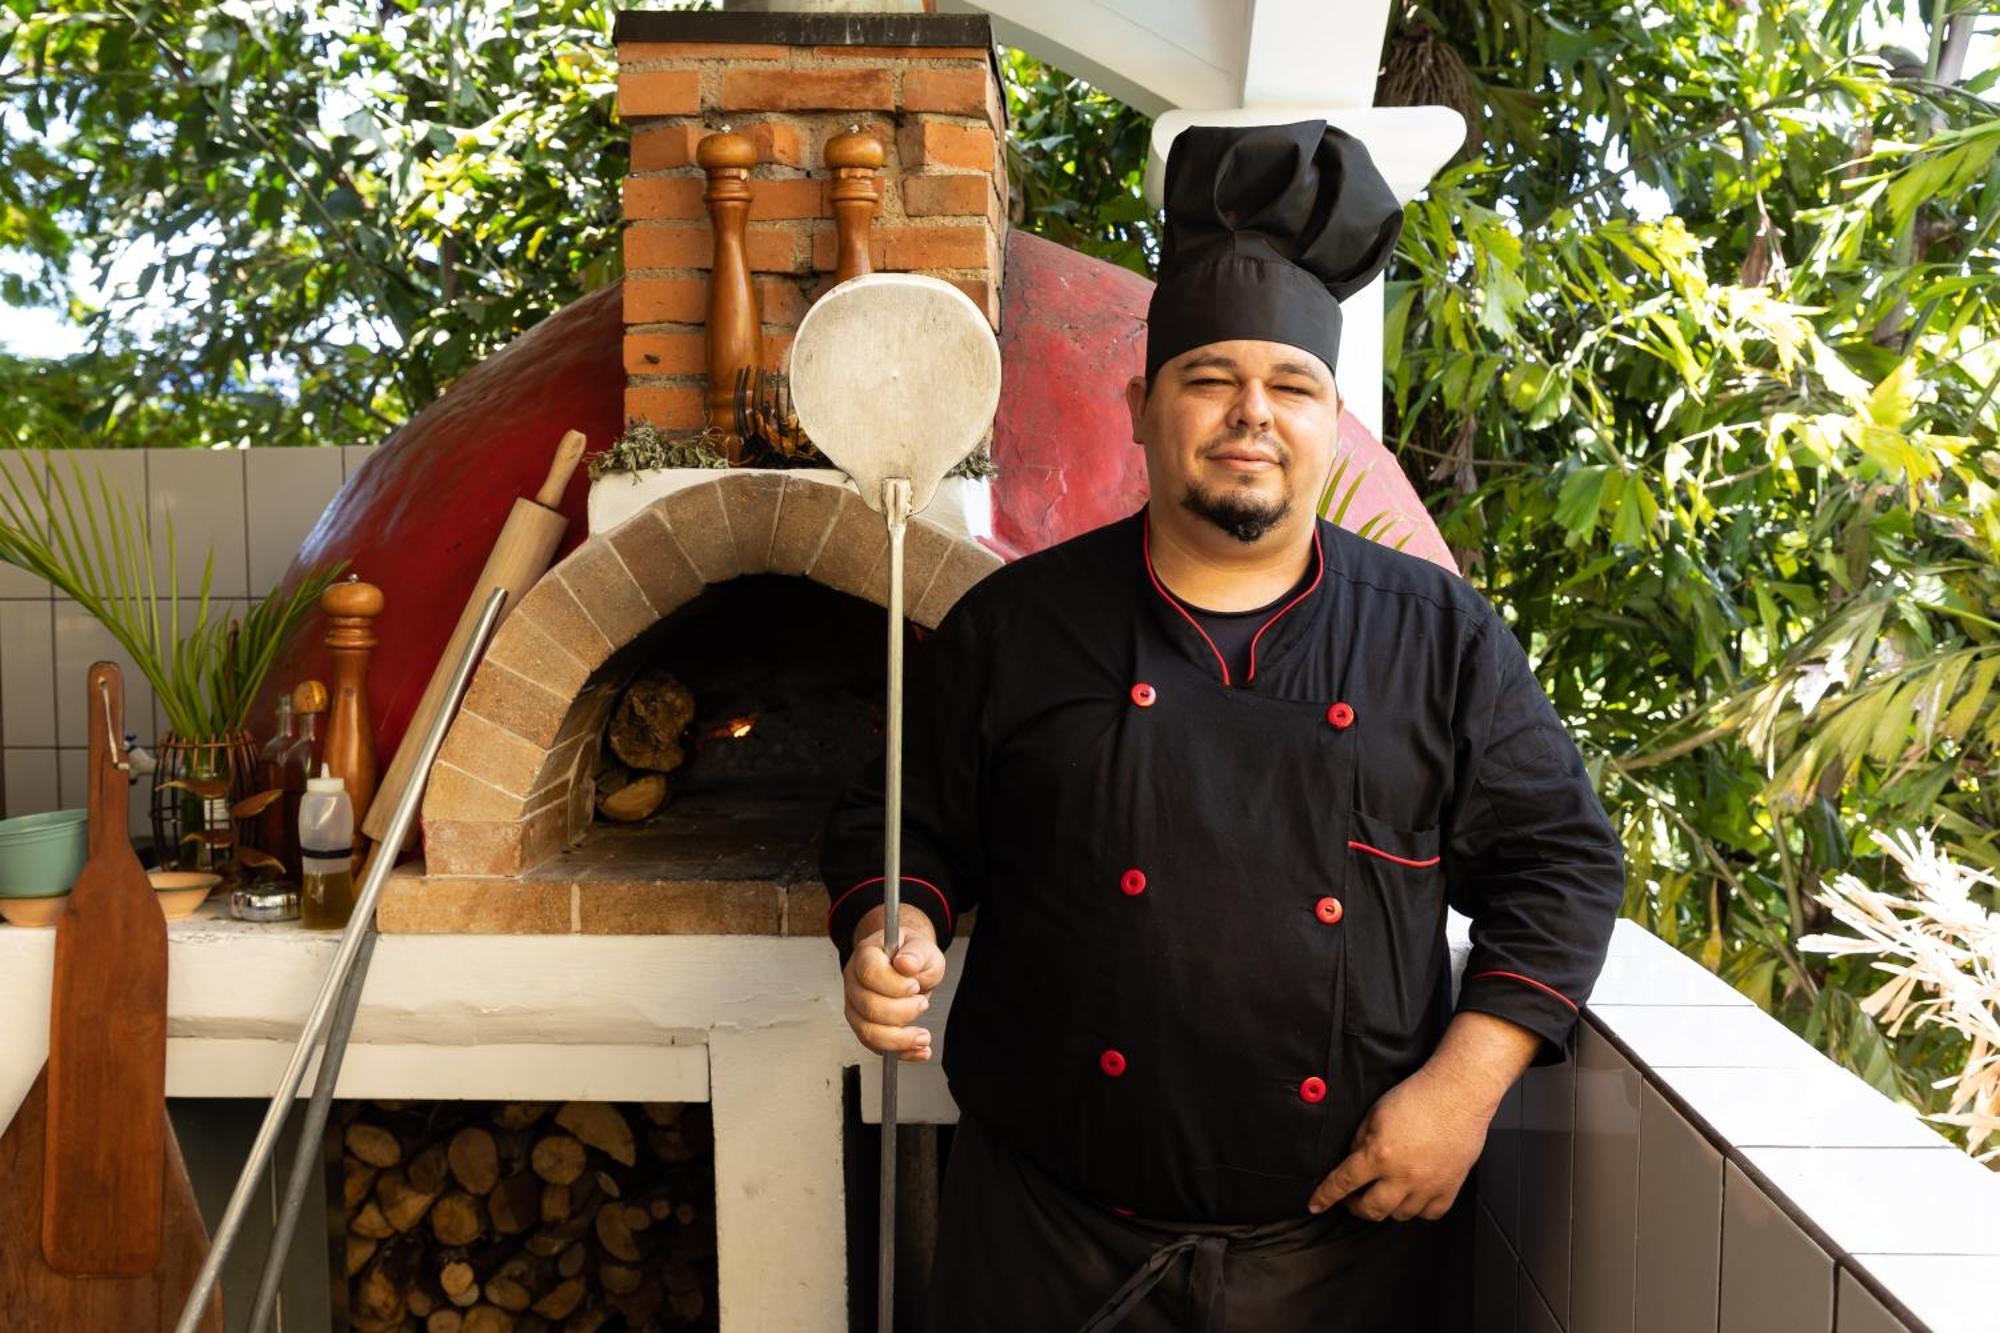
pixel 751 1024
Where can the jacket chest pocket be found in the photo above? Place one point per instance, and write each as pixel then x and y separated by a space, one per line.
pixel 1393 915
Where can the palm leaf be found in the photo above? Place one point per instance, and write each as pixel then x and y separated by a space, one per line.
pixel 95 546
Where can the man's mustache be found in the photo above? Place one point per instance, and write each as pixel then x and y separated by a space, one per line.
pixel 1241 439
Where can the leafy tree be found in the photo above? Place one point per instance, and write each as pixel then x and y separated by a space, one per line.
pixel 1695 352
pixel 346 205
pixel 1076 159
pixel 1698 352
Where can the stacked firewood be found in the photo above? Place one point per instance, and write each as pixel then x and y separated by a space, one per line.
pixel 528 1217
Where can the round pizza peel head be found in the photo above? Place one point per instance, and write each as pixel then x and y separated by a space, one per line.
pixel 895 378
pixel 895 375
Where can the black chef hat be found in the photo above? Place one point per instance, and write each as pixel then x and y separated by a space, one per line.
pixel 1268 229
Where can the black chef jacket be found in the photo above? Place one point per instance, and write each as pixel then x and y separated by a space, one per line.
pixel 1212 906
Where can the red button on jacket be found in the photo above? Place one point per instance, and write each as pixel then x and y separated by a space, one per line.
pixel 1341 715
pixel 1313 1089
pixel 1144 694
pixel 1133 881
pixel 1328 910
pixel 1112 1063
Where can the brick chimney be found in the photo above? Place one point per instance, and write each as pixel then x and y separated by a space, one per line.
pixel 925 84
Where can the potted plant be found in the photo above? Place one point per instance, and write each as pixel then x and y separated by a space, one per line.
pixel 206 668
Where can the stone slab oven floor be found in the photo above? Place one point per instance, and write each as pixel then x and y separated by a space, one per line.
pixel 708 865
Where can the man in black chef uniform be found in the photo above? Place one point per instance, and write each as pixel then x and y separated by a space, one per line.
pixel 1212 774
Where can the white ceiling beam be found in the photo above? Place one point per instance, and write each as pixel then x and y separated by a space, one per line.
pixel 1316 53
pixel 1152 57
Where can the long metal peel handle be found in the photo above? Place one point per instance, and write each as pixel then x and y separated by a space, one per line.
pixel 896 509
pixel 381 862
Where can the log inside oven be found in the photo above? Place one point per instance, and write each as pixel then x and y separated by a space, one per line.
pixel 763 694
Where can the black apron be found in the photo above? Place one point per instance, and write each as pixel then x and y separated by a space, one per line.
pixel 1019 1253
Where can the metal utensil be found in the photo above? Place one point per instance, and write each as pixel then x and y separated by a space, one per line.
pixel 349 960
pixel 895 377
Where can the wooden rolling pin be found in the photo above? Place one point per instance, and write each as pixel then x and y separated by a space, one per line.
pixel 521 555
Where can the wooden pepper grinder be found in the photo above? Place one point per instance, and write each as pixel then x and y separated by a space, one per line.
pixel 735 326
pixel 349 749
pixel 853 159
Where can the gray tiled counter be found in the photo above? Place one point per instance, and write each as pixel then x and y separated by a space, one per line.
pixel 1696 1167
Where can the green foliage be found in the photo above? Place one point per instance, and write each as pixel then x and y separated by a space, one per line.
pixel 96 548
pixel 347 205
pixel 1739 492
pixel 1696 353
pixel 1075 163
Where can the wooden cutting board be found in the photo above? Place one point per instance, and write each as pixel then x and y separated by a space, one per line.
pixel 38 1299
pixel 98 1224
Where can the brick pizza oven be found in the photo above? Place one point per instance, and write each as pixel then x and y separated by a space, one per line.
pixel 509 840
pixel 512 788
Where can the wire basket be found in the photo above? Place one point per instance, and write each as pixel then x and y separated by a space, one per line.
pixel 192 827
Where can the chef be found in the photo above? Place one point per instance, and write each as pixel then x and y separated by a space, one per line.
pixel 1212 775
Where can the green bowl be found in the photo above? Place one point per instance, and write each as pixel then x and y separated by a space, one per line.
pixel 41 855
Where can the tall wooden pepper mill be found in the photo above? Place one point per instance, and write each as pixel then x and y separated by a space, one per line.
pixel 349 749
pixel 735 326
pixel 852 159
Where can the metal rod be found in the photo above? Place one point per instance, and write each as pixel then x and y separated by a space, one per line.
pixel 362 921
pixel 896 508
pixel 306 1157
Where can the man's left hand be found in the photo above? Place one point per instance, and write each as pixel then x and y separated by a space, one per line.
pixel 1418 1143
pixel 1410 1156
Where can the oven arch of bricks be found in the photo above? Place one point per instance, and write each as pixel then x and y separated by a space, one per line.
pixel 510 788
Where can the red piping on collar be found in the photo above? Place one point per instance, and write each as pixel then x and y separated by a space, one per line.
pixel 907 879
pixel 1516 976
pixel 1318 574
pixel 1146 529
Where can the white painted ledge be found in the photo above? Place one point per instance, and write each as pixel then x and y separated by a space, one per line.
pixel 751 1024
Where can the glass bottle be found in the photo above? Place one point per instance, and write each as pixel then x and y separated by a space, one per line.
pixel 299 764
pixel 275 833
pixel 326 853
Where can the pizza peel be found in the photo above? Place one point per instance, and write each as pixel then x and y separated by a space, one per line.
pixel 895 378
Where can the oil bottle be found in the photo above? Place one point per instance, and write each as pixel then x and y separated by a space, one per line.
pixel 326 853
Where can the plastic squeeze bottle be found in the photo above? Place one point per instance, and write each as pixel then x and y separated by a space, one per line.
pixel 326 853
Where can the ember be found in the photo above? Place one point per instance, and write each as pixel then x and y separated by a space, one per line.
pixel 733 730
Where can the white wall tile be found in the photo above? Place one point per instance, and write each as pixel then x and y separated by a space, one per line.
pixel 79 641
pixel 27 673
pixel 201 492
pixel 355 455
pixel 26 466
pixel 1949 1293
pixel 1871 1201
pixel 32 785
pixel 285 492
